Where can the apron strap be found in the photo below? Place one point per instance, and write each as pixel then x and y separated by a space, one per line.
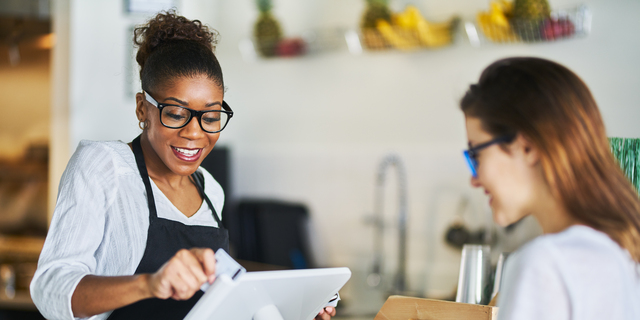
pixel 137 152
pixel 198 180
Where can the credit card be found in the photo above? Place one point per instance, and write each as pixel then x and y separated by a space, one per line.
pixel 225 265
pixel 333 302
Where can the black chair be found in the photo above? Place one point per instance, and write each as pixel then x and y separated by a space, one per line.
pixel 272 232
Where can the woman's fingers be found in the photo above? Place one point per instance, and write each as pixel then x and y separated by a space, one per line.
pixel 188 281
pixel 331 311
pixel 193 267
pixel 159 286
pixel 326 313
pixel 181 276
pixel 207 260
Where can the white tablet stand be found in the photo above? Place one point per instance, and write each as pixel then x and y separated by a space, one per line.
pixel 270 295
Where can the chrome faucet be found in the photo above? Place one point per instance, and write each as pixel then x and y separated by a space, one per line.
pixel 375 277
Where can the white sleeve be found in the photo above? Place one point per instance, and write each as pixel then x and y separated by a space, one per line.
pixel 533 287
pixel 86 191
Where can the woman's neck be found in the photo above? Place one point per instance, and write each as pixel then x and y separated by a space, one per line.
pixel 551 213
pixel 156 168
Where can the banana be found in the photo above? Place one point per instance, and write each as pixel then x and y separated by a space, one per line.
pixel 494 32
pixel 433 37
pixel 399 41
pixel 497 14
pixel 495 24
pixel 407 19
pixel 411 25
pixel 434 34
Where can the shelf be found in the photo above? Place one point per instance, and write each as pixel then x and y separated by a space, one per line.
pixel 563 24
pixel 312 42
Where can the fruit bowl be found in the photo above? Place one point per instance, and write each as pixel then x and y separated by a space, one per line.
pixel 561 24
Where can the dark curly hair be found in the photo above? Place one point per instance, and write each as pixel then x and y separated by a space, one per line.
pixel 171 46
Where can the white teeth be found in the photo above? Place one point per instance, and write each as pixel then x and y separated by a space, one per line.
pixel 187 152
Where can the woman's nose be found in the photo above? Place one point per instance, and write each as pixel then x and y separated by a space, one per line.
pixel 192 130
pixel 475 182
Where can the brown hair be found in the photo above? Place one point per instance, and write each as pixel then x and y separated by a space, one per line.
pixel 553 108
pixel 172 46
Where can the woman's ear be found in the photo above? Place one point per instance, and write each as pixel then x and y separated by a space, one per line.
pixel 141 111
pixel 528 150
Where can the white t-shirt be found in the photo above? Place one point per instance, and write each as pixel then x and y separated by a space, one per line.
pixel 579 273
pixel 100 223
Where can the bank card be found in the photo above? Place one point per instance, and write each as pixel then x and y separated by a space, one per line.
pixel 225 265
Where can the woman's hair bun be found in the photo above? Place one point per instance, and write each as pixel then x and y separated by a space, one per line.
pixel 166 27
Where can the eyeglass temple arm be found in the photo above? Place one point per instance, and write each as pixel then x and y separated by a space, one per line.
pixel 226 107
pixel 149 98
pixel 488 143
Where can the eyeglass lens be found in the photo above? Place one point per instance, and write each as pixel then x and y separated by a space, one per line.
pixel 176 117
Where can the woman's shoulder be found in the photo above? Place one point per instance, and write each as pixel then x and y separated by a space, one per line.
pixel 577 239
pixel 569 251
pixel 95 155
pixel 112 147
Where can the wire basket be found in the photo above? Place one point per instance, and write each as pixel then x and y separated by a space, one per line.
pixel 405 39
pixel 307 43
pixel 373 40
pixel 562 24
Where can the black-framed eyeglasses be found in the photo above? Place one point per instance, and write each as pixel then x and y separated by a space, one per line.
pixel 175 117
pixel 471 154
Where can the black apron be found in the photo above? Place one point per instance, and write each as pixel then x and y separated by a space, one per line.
pixel 164 239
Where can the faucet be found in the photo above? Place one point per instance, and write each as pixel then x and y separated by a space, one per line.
pixel 375 277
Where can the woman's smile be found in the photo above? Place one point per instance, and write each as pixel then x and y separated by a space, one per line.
pixel 189 155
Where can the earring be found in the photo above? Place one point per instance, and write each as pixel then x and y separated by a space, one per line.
pixel 142 125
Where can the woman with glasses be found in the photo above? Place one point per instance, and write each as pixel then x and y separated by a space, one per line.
pixel 537 146
pixel 136 225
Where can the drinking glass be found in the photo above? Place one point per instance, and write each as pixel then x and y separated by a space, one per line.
pixel 475 271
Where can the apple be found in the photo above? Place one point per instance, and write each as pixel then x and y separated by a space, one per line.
pixel 290 47
pixel 553 29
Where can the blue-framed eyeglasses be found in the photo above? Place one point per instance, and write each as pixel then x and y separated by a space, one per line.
pixel 472 153
pixel 175 116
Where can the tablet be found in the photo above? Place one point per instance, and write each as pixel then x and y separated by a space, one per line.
pixel 270 295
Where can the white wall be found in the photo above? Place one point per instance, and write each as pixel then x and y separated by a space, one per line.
pixel 313 129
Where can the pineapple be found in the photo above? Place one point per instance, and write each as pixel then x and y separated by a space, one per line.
pixel 376 10
pixel 528 18
pixel 266 30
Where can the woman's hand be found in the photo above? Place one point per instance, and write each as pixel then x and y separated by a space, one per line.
pixel 326 313
pixel 181 277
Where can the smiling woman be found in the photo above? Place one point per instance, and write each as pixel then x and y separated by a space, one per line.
pixel 537 146
pixel 136 225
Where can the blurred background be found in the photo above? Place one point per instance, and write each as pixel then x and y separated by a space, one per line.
pixel 346 139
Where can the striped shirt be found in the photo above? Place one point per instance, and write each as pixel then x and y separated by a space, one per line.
pixel 100 223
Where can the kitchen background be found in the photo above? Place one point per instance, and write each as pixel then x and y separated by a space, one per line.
pixel 313 129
